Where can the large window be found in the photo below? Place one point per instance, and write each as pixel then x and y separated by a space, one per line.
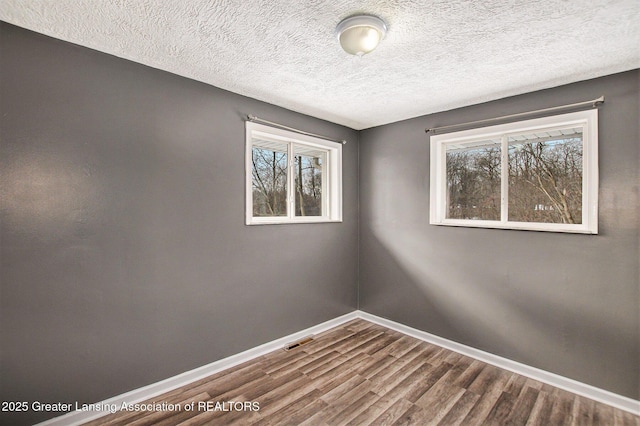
pixel 539 174
pixel 291 178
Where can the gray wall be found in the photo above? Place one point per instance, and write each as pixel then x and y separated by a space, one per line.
pixel 124 255
pixel 561 302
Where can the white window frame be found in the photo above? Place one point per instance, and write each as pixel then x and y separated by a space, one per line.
pixel 588 120
pixel 331 185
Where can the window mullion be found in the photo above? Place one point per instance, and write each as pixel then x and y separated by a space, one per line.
pixel 504 180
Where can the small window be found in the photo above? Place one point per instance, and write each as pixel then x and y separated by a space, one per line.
pixel 539 174
pixel 291 178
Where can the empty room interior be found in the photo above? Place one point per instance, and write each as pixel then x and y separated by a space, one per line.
pixel 320 213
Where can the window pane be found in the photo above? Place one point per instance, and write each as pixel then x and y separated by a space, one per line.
pixel 473 180
pixel 269 178
pixel 309 176
pixel 545 176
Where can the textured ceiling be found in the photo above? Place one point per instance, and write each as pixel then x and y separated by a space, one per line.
pixel 437 55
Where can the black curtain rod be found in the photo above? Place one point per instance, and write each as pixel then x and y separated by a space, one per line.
pixel 255 119
pixel 591 104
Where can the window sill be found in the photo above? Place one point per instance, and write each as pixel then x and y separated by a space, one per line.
pixel 520 226
pixel 287 221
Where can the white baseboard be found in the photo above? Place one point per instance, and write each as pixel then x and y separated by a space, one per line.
pixel 142 394
pixel 138 395
pixel 579 388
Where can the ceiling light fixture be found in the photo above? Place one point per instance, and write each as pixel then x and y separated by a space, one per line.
pixel 360 34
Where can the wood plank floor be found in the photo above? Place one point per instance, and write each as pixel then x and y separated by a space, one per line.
pixel 363 374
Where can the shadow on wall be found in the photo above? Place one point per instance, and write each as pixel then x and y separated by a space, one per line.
pixel 495 308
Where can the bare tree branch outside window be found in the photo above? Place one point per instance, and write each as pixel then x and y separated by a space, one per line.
pixel 473 183
pixel 545 179
pixel 308 185
pixel 269 182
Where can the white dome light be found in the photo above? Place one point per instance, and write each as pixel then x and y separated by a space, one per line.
pixel 360 34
